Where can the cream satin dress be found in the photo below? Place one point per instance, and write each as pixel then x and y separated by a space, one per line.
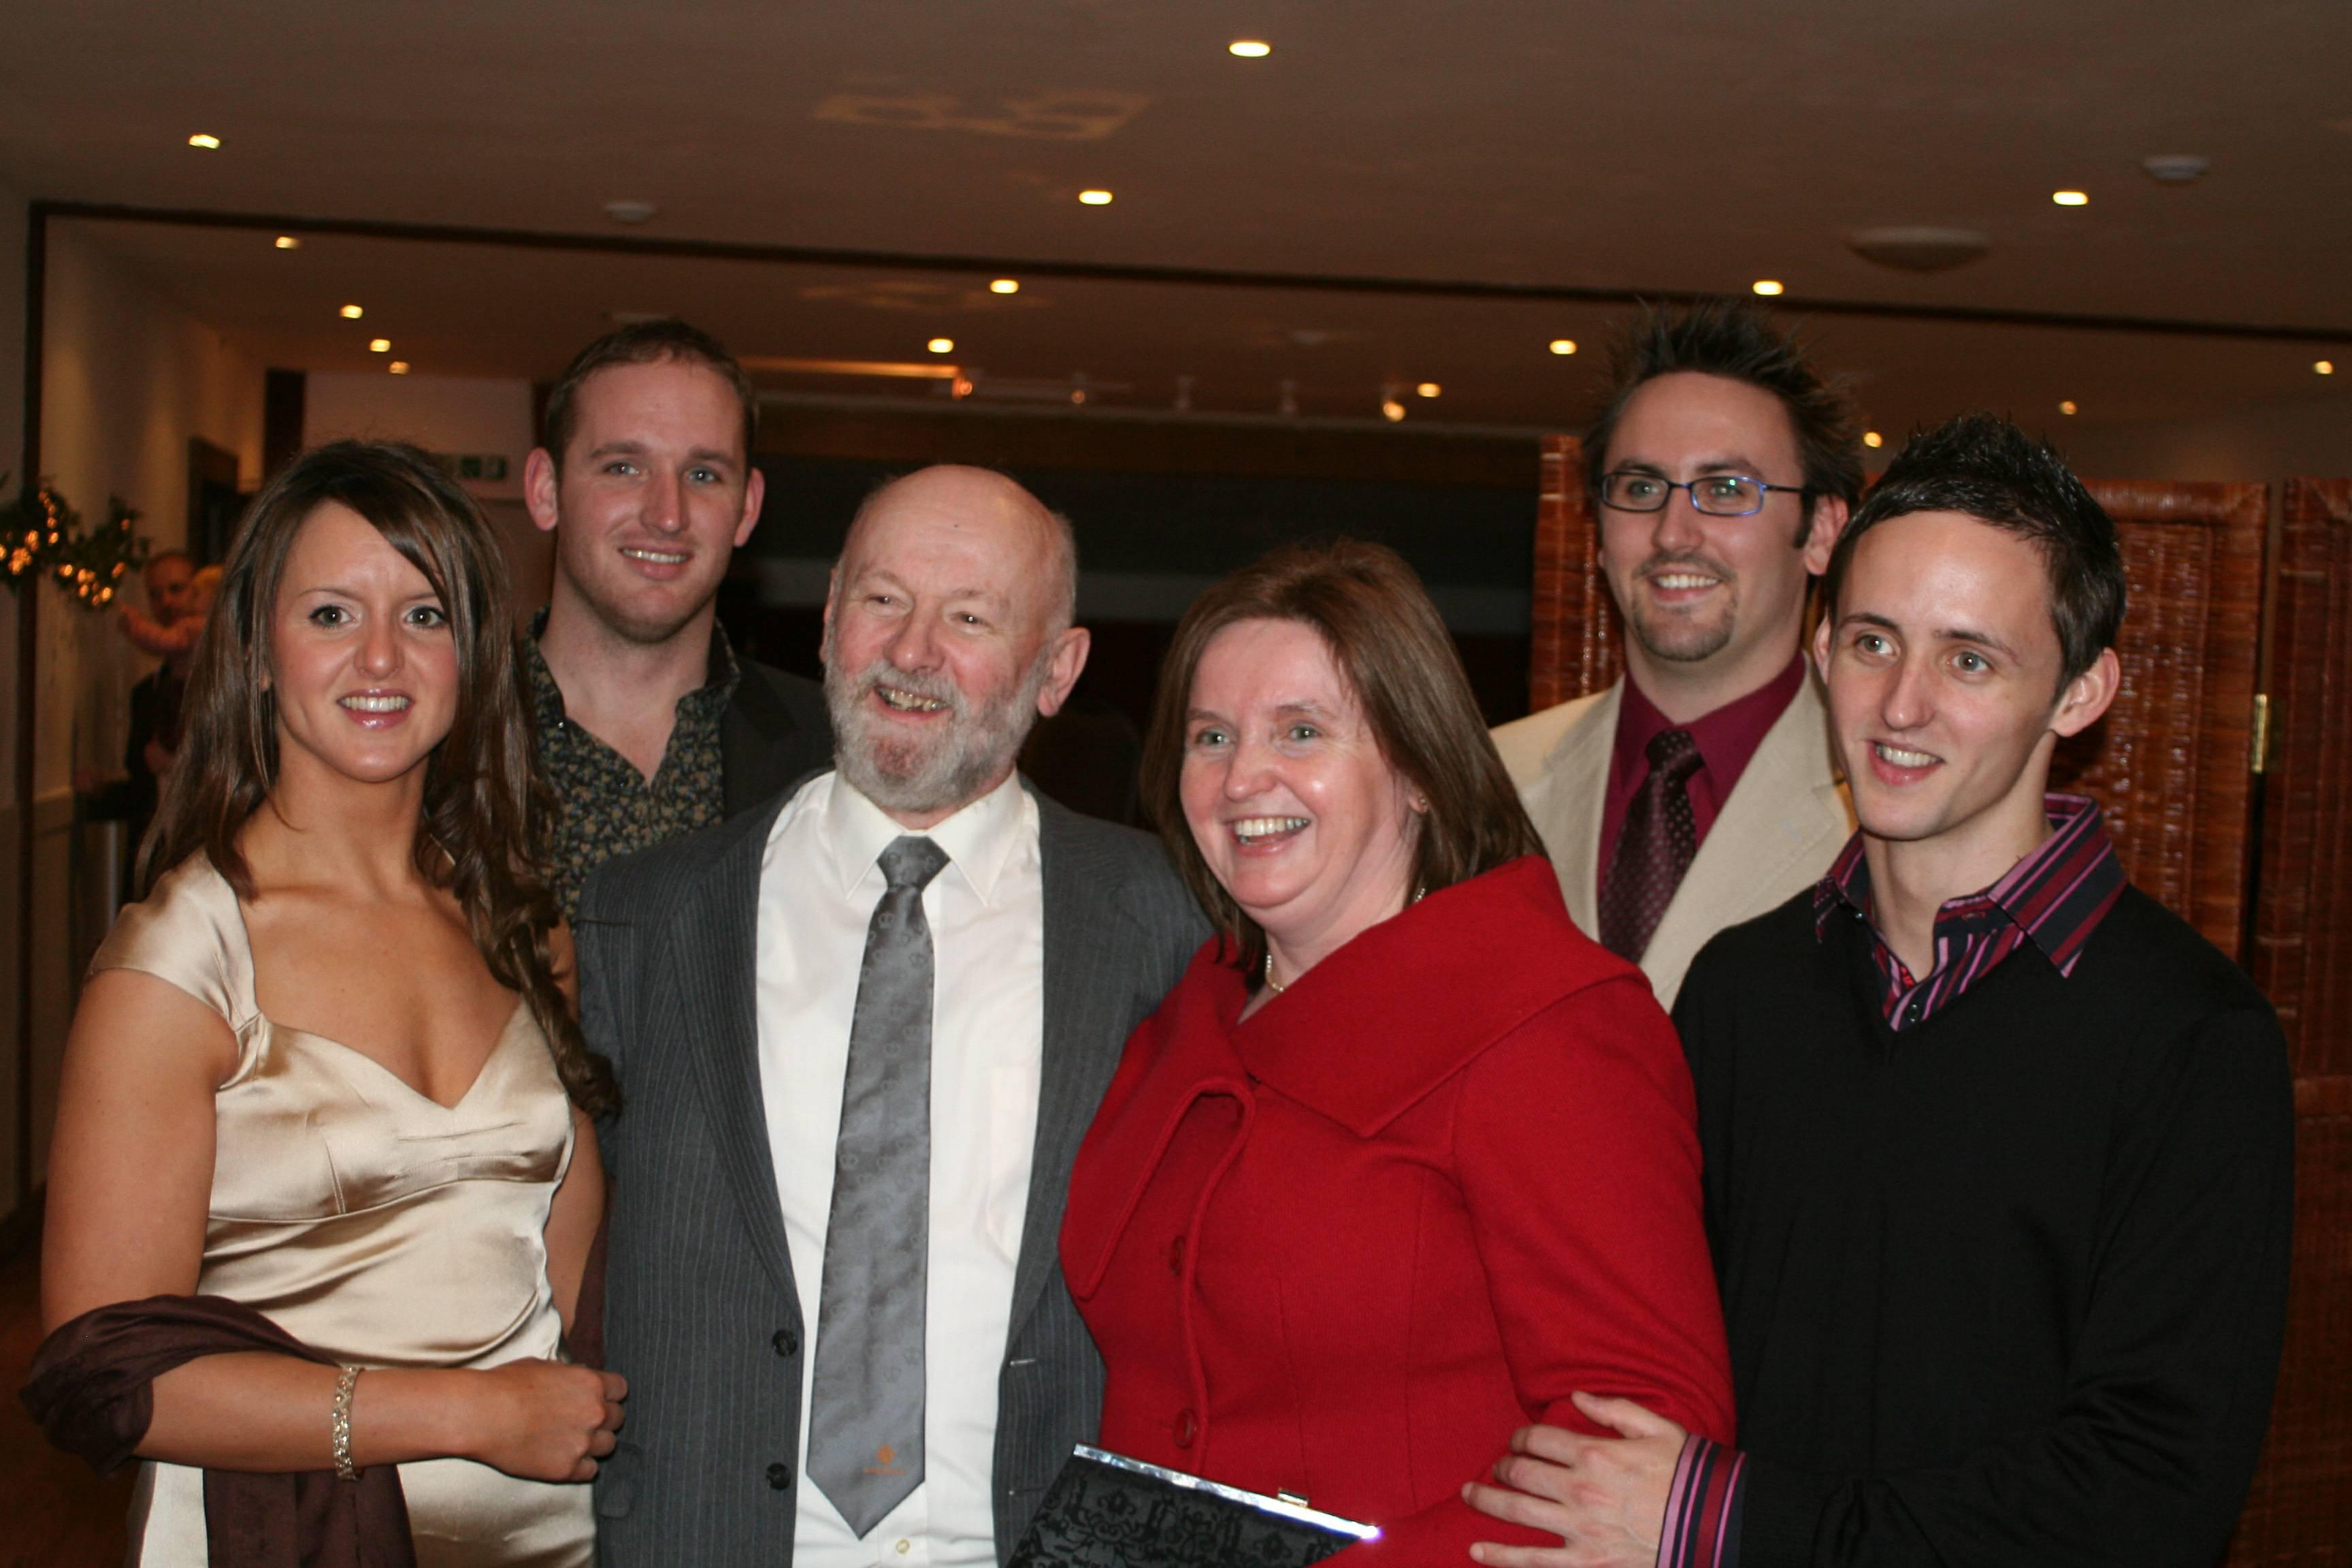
pixel 370 1222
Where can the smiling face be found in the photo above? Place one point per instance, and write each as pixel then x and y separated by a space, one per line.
pixel 1289 797
pixel 1942 665
pixel 1712 604
pixel 362 661
pixel 651 500
pixel 942 640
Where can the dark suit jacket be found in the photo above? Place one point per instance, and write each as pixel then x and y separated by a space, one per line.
pixel 701 1314
pixel 774 731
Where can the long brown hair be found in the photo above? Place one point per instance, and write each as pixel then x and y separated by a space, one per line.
pixel 1393 650
pixel 486 811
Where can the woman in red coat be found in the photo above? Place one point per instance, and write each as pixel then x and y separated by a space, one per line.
pixel 1405 1161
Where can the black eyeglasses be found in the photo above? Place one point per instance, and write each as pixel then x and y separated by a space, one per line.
pixel 1718 495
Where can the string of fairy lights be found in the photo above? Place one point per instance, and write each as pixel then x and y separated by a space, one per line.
pixel 41 534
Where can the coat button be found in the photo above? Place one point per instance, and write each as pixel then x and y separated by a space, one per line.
pixel 1188 1426
pixel 1176 1256
pixel 780 1475
pixel 787 1343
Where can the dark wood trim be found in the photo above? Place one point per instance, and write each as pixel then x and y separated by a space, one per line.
pixel 22 1227
pixel 284 393
pixel 28 647
pixel 1201 277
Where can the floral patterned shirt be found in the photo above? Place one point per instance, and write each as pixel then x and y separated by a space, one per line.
pixel 604 805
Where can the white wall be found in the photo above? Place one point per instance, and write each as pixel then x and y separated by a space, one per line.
pixel 448 414
pixel 128 378
pixel 439 412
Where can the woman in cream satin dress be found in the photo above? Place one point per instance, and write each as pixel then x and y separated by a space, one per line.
pixel 328 1068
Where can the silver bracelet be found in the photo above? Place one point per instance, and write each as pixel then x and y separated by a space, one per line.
pixel 341 1421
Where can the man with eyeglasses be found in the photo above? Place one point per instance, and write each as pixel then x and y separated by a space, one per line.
pixel 1697 791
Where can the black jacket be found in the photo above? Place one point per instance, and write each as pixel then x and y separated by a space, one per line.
pixel 774 734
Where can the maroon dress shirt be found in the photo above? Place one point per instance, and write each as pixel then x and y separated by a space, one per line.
pixel 1727 738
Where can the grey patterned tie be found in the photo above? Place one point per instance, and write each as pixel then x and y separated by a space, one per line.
pixel 865 1411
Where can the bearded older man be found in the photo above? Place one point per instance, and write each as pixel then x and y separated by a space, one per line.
pixel 859 1033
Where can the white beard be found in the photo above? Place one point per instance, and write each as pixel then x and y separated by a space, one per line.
pixel 902 773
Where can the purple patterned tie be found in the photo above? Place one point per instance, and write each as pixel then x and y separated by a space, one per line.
pixel 1653 847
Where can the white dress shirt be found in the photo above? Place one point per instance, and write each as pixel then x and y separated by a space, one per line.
pixel 819 883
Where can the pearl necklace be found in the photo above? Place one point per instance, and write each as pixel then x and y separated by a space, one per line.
pixel 1274 987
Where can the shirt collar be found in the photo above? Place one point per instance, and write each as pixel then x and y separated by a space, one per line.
pixel 720 678
pixel 981 838
pixel 1726 737
pixel 2053 895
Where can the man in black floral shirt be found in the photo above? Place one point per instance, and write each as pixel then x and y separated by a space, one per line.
pixel 648 725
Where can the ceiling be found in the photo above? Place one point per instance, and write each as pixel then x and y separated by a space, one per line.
pixel 1676 145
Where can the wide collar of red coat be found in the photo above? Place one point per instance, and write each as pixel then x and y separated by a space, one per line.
pixel 1369 1032
pixel 1361 1037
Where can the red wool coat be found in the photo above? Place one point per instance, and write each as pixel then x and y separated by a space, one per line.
pixel 1444 1180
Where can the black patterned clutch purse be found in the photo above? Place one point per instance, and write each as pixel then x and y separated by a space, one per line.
pixel 1105 1510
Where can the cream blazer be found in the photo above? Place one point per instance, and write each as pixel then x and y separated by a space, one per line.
pixel 1785 821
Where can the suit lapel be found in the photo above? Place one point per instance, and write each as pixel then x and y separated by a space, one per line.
pixel 714 958
pixel 1566 803
pixel 1084 1035
pixel 1785 821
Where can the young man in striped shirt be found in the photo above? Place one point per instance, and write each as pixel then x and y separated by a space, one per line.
pixel 1999 1152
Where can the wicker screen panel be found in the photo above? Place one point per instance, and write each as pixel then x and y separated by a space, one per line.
pixel 2302 931
pixel 2169 762
pixel 1573 623
pixel 2299 1511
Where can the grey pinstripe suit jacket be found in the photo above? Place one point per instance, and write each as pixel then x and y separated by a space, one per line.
pixel 701 1314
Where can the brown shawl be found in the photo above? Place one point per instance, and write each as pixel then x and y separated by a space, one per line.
pixel 90 1390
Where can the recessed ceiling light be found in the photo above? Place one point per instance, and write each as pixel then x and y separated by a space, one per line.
pixel 2322 367
pixel 1427 389
pixel 207 139
pixel 287 242
pixel 2071 198
pixel 630 212
pixel 942 346
pixel 1004 286
pixel 379 345
pixel 1391 410
pixel 1094 198
pixel 1872 439
pixel 1250 48
pixel 2066 406
pixel 399 367
pixel 1563 345
pixel 351 312
pixel 1768 287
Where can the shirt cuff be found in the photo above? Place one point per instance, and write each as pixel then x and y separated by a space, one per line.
pixel 1702 1523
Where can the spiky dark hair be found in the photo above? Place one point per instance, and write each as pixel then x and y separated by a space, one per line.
pixel 1983 467
pixel 1735 339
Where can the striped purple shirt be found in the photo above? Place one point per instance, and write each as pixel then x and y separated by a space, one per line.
pixel 2055 898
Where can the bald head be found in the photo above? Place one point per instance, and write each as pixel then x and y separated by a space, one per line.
pixel 946 635
pixel 987 505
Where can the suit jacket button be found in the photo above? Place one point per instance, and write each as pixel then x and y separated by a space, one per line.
pixel 787 1343
pixel 1188 1426
pixel 780 1475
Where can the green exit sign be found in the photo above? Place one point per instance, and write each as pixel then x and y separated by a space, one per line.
pixel 484 466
